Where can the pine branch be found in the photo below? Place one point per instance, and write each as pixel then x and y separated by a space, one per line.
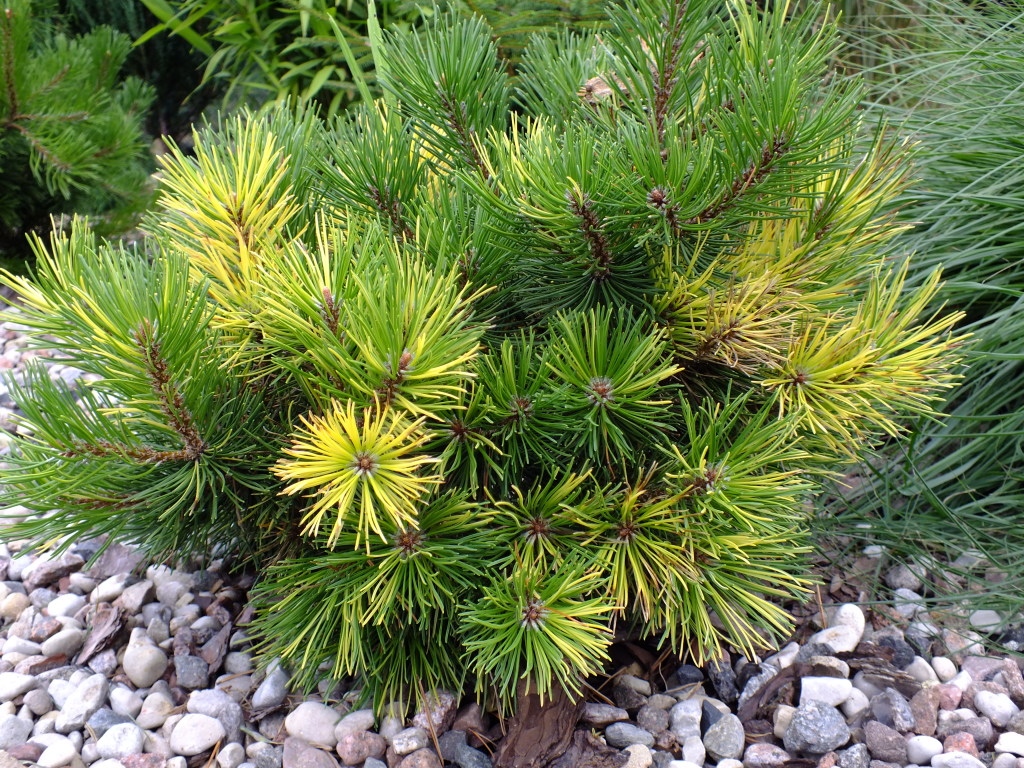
pixel 172 404
pixel 457 119
pixel 104 448
pixel 755 173
pixel 392 208
pixel 665 77
pixel 582 207
pixel 6 29
pixel 658 198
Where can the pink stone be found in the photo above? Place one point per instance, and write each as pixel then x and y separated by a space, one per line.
pixel 960 742
pixel 949 696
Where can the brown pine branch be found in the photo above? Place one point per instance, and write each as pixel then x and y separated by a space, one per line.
pixel 172 404
pixel 105 449
pixel 581 206
pixel 750 178
pixel 391 207
pixel 457 118
pixel 7 30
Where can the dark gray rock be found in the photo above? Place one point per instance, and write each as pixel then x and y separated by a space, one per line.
pixel 467 757
pixel 651 719
pixel 272 757
pixel 449 742
pixel 979 727
pixel 756 683
pixel 193 673
pixel 723 679
pixel 627 697
pixel 809 651
pixel 687 674
pixel 709 715
pixel 903 653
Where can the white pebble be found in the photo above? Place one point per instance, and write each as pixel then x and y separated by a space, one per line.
pixel 855 704
pixel 120 741
pixel 921 749
pixel 194 733
pixel 961 680
pixel 639 756
pixel 908 603
pixel 410 740
pixel 782 718
pixel 12 606
pixel 353 722
pixel 944 668
pixel 832 691
pixel 13 684
pixel 956 760
pixel 58 754
pixel 865 686
pixel 66 642
pixel 1010 742
pixel 13 731
pixel 108 590
pixel 65 605
pixel 849 615
pixel 1005 760
pixel 314 722
pixel 985 620
pixel 841 638
pixel 125 701
pixel 82 703
pixel 784 658
pixel 693 750
pixel 996 706
pixel 231 755
pixel 155 710
pixel 921 670
pixel 143 664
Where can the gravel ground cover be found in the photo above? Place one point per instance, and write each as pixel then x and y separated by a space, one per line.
pixel 132 665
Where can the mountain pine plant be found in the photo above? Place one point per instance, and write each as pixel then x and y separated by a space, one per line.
pixel 70 129
pixel 482 378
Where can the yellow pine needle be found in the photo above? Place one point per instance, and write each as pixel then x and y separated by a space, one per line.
pixel 364 467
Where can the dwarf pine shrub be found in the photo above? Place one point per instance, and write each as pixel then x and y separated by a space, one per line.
pixel 494 371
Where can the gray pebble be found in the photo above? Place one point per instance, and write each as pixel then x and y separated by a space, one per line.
pixel 409 740
pixel 467 757
pixel 816 728
pixel 272 691
pixel 623 734
pixel 725 739
pixel 192 672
